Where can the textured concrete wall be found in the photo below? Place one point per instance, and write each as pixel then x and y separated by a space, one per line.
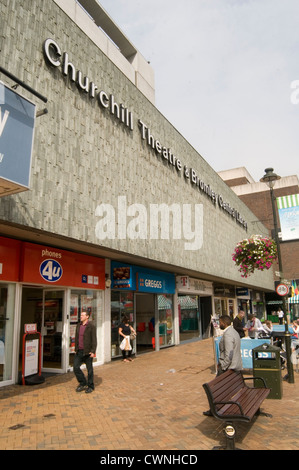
pixel 85 156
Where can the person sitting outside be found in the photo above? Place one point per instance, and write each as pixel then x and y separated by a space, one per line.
pixel 254 326
pixel 238 323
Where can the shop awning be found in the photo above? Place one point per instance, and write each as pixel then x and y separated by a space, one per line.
pixel 187 302
pixel 164 303
pixel 294 300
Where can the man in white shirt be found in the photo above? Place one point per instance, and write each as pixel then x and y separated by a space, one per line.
pixel 229 347
pixel 280 315
pixel 254 326
pixel 229 350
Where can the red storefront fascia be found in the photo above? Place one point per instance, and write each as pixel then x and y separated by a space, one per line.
pixel 38 264
pixel 10 254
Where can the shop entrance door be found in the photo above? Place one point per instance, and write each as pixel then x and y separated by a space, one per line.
pixel 7 317
pixel 46 308
pixel 52 330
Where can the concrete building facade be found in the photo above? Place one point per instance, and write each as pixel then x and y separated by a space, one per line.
pixel 122 214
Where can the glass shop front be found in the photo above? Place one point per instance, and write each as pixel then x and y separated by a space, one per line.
pixel 145 296
pixel 45 287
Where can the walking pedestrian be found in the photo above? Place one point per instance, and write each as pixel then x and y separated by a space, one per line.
pixel 125 330
pixel 280 315
pixel 85 348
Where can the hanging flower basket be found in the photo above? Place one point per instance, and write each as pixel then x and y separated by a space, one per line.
pixel 256 252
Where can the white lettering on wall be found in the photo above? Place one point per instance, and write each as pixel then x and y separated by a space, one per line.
pixel 54 56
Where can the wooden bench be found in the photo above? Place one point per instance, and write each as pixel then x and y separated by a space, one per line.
pixel 230 400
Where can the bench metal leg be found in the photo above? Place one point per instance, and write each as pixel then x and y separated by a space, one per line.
pixel 263 413
pixel 230 434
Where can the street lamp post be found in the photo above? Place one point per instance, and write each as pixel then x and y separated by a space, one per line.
pixel 270 179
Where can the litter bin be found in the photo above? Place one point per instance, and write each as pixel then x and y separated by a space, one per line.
pixel 266 364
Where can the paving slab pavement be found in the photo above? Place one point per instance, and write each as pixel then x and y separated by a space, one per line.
pixel 154 403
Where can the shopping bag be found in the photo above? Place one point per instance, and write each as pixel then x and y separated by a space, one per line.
pixel 125 344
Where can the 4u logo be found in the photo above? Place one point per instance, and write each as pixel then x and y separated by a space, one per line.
pixel 50 270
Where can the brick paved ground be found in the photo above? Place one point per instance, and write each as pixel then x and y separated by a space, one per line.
pixel 153 403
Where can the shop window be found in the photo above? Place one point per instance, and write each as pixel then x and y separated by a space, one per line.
pixel 165 307
pixel 122 304
pixel 294 308
pixel 224 307
pixel 188 317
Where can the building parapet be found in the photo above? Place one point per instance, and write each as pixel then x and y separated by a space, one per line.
pixel 95 22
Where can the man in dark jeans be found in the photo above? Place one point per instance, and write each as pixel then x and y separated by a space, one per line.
pixel 85 347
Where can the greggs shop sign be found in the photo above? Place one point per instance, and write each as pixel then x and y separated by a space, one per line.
pixel 129 277
pixel 39 264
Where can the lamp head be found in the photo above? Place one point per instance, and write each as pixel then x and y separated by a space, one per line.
pixel 270 177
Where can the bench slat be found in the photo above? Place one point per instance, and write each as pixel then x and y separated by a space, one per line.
pixel 250 401
pixel 228 378
pixel 223 389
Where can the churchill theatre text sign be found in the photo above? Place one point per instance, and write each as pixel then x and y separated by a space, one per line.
pixel 56 58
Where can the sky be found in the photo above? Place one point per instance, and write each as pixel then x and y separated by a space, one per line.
pixel 226 75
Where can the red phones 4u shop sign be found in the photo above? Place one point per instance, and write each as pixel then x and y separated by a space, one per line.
pixel 53 266
pixel 38 264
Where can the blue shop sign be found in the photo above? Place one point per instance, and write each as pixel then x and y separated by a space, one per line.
pixel 17 118
pixel 130 277
pixel 242 291
pixel 247 345
pixel 155 282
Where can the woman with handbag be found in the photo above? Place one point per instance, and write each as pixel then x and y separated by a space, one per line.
pixel 126 333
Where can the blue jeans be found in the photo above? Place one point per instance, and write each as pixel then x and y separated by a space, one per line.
pixel 78 361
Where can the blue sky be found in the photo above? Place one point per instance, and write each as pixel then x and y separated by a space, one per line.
pixel 224 71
